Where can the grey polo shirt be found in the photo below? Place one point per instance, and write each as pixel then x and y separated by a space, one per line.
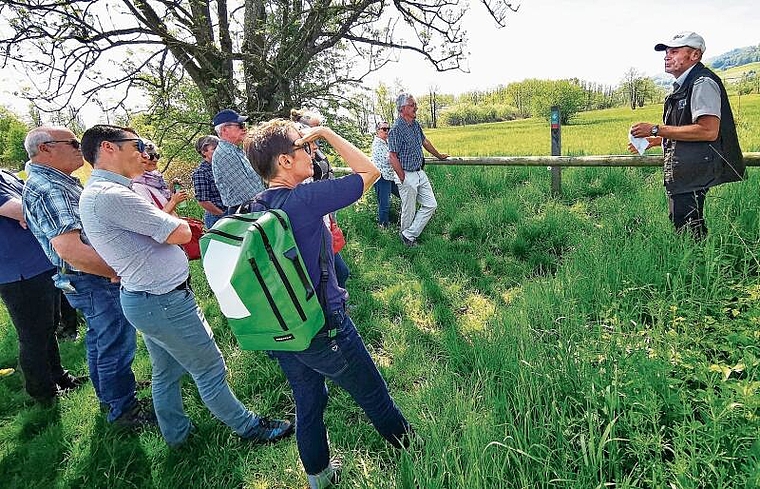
pixel 129 233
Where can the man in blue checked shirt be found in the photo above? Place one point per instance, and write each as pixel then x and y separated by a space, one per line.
pixel 206 192
pixel 405 143
pixel 236 180
pixel 51 208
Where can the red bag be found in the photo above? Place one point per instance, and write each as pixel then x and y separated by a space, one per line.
pixel 193 247
pixel 339 240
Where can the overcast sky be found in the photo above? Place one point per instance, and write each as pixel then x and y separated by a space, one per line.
pixel 594 40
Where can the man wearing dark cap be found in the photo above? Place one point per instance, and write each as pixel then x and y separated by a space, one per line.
pixel 236 180
pixel 698 134
pixel 206 192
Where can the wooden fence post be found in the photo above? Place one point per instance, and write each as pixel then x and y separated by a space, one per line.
pixel 556 128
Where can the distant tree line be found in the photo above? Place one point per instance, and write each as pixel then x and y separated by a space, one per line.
pixel 735 57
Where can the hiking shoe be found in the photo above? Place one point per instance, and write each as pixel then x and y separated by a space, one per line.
pixel 410 243
pixel 328 477
pixel 70 382
pixel 270 430
pixel 140 416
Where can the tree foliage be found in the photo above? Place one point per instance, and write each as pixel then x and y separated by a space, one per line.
pixel 261 56
pixel 12 134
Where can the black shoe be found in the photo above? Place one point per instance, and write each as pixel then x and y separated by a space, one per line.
pixel 70 382
pixel 410 243
pixel 270 430
pixel 140 416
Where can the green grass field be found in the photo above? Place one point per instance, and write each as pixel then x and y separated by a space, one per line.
pixel 534 342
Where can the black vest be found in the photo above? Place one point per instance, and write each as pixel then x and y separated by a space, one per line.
pixel 696 165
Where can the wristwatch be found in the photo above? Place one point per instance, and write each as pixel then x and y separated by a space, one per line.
pixel 655 130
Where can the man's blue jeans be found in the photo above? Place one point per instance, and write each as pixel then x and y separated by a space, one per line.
pixel 111 341
pixel 180 341
pixel 344 360
pixel 383 189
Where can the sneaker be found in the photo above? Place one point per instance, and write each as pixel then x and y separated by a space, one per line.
pixel 328 477
pixel 410 243
pixel 140 416
pixel 270 430
pixel 70 382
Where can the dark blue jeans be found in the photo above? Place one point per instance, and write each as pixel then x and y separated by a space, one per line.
pixel 34 306
pixel 383 189
pixel 341 271
pixel 344 360
pixel 111 341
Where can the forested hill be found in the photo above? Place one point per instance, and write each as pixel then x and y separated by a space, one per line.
pixel 735 57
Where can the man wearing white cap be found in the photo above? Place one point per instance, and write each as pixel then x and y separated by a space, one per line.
pixel 698 134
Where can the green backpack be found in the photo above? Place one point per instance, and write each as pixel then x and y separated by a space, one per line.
pixel 254 268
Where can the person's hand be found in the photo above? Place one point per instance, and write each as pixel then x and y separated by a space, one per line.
pixel 178 197
pixel 632 149
pixel 115 280
pixel 443 156
pixel 642 130
pixel 311 134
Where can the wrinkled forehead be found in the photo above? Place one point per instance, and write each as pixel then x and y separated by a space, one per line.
pixel 61 134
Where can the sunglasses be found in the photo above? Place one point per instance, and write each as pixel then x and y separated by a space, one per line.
pixel 154 156
pixel 385 129
pixel 241 125
pixel 140 143
pixel 73 142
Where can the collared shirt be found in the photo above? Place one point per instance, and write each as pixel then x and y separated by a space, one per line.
pixel 705 96
pixel 380 158
pixel 204 185
pixel 51 206
pixel 130 233
pixel 405 139
pixel 235 178
pixel 21 256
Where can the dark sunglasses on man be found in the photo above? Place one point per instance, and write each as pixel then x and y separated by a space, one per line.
pixel 140 143
pixel 385 129
pixel 153 156
pixel 73 142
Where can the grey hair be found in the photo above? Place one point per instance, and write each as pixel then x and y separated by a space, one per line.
pixel 35 137
pixel 218 128
pixel 402 99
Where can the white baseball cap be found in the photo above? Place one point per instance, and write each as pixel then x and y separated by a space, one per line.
pixel 686 38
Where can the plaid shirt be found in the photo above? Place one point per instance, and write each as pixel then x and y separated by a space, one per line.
pixel 405 139
pixel 51 206
pixel 205 188
pixel 380 158
pixel 235 178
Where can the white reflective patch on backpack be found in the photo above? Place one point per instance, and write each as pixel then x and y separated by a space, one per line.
pixel 219 264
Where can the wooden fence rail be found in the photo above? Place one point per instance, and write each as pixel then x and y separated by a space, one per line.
pixel 751 159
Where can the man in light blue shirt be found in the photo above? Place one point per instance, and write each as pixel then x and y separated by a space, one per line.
pixel 141 243
pixel 236 180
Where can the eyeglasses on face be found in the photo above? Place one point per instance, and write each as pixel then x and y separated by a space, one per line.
pixel 154 156
pixel 306 147
pixel 240 125
pixel 73 142
pixel 140 143
pixel 385 129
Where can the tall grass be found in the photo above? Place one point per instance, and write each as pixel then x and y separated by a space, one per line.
pixel 571 342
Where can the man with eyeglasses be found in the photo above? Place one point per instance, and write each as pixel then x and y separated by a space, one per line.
pixel 385 185
pixel 236 180
pixel 51 208
pixel 140 242
pixel 405 143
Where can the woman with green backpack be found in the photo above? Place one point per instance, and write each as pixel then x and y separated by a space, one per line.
pixel 282 156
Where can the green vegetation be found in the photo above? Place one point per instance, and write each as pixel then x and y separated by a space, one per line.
pixel 574 342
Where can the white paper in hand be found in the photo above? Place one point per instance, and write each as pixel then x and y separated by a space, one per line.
pixel 639 143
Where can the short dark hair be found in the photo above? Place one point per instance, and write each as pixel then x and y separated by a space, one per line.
pixel 266 142
pixel 94 137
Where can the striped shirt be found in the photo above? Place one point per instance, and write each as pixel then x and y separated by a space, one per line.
pixel 405 139
pixel 51 206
